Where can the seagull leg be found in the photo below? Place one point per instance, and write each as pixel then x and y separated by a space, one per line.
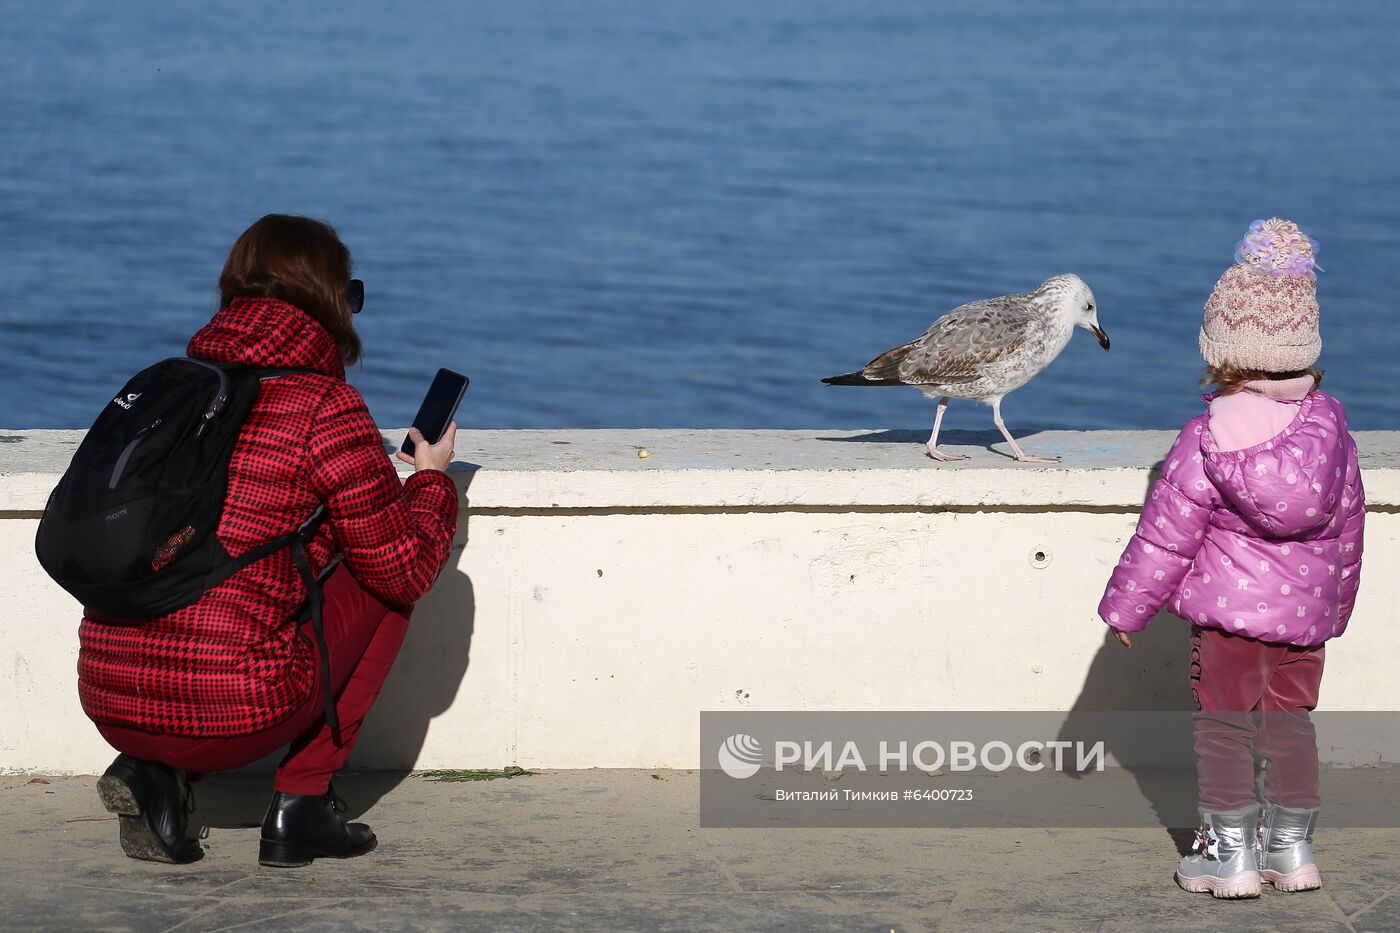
pixel 1015 447
pixel 932 444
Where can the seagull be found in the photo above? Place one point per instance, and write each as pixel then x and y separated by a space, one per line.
pixel 986 349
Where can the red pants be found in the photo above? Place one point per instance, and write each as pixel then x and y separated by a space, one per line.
pixel 1253 698
pixel 363 637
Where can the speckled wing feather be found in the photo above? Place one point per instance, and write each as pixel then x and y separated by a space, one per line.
pixel 956 346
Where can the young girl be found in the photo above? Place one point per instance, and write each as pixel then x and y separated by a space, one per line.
pixel 1253 535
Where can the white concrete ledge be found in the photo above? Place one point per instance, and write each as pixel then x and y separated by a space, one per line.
pixel 598 600
pixel 574 469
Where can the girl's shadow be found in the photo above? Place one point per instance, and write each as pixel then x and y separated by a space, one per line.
pixel 1147 690
pixel 1138 701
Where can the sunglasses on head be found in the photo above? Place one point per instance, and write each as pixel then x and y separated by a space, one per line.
pixel 355 296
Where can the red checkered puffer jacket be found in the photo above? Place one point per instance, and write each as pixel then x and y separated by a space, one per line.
pixel 231 663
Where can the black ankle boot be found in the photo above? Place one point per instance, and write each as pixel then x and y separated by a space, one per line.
pixel 153 802
pixel 301 827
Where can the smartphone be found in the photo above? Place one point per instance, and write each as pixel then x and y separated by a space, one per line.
pixel 438 408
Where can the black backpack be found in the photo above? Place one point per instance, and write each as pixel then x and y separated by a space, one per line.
pixel 130 529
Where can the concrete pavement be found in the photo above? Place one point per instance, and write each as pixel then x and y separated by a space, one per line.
pixel 621 850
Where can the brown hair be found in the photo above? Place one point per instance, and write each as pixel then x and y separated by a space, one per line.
pixel 1229 380
pixel 298 260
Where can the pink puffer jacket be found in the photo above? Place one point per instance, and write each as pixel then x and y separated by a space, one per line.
pixel 1264 542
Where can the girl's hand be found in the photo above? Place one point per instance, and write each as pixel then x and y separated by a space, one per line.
pixel 430 456
pixel 1123 638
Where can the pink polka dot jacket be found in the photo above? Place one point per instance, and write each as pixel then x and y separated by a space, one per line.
pixel 1263 542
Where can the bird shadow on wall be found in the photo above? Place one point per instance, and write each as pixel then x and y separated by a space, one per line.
pixel 422 685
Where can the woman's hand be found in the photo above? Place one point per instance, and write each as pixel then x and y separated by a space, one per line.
pixel 430 456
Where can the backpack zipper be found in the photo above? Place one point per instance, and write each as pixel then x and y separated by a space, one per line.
pixel 218 403
pixel 127 451
pixel 214 407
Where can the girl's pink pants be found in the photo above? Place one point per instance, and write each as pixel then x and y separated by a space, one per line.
pixel 1252 701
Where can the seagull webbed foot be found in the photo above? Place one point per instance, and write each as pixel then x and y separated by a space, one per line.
pixel 936 454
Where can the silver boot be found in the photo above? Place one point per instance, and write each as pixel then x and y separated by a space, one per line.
pixel 1226 863
pixel 1285 848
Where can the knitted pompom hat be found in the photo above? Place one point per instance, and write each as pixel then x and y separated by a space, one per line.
pixel 1263 312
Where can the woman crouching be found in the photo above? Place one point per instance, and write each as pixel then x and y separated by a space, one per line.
pixel 234 676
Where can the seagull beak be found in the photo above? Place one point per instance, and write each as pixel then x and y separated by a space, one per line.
pixel 1097 331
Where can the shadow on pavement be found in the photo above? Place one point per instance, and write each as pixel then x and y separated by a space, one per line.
pixel 421 686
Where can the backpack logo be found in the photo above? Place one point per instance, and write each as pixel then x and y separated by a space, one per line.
pixel 126 402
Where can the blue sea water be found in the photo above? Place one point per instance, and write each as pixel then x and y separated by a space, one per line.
pixel 664 214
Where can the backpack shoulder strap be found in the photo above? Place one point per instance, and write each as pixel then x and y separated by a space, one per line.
pixel 304 533
pixel 298 540
pixel 315 601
